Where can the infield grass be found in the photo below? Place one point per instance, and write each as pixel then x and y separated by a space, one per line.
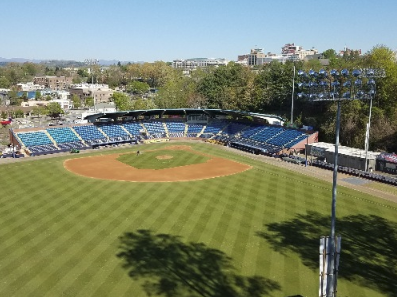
pixel 162 159
pixel 60 232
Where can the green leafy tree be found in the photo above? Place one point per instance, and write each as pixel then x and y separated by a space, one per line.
pixel 4 82
pixel 330 54
pixel 37 95
pixel 39 111
pixel 24 96
pixel 82 72
pixel 76 101
pixel 122 101
pixel 141 104
pixel 19 113
pixel 77 80
pixel 4 115
pixel 274 87
pixel 228 87
pixel 89 102
pixel 54 109
pixel 137 87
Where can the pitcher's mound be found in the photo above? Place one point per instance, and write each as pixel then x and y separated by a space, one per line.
pixel 164 157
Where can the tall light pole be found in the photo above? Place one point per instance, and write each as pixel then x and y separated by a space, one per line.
pixel 292 97
pixel 336 87
pixel 371 74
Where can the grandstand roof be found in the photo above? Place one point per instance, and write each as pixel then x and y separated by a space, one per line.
pixel 182 112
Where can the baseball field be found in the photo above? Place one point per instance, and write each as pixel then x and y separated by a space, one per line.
pixel 191 219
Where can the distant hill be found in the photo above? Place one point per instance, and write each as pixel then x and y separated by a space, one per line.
pixel 63 63
pixel 18 60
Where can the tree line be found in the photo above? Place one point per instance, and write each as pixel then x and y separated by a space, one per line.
pixel 265 89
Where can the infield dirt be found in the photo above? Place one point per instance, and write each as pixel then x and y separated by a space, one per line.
pixel 108 167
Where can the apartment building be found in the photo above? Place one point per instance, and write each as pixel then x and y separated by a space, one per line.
pixel 100 92
pixel 190 64
pixel 53 82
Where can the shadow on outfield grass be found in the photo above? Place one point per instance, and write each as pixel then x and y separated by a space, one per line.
pixel 170 267
pixel 369 246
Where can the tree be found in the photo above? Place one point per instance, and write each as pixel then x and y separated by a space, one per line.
pixel 3 115
pixel 24 95
pixel 76 101
pixel 4 82
pixel 89 102
pixel 39 111
pixel 37 95
pixel 329 54
pixel 82 72
pixel 122 101
pixel 141 104
pixel 54 109
pixel 137 87
pixel 19 113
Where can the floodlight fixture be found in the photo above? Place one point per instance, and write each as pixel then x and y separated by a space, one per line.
pixel 322 73
pixel 312 96
pixel 346 95
pixel 301 73
pixel 358 82
pixel 345 72
pixel 312 73
pixel 370 72
pixel 371 82
pixel 334 73
pixel 347 84
pixel 356 72
pixel 360 94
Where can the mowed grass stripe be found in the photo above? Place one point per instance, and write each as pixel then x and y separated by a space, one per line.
pixel 244 245
pixel 203 218
pixel 75 221
pixel 116 220
pixel 37 231
pixel 58 245
pixel 164 211
pixel 31 210
pixel 182 195
pixel 100 249
pixel 53 215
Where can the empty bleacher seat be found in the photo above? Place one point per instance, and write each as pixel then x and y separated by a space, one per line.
pixel 176 129
pixel 90 134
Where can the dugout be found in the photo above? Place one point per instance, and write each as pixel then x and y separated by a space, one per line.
pixel 386 162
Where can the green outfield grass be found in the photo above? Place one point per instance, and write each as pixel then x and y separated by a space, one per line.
pixel 67 235
pixel 153 160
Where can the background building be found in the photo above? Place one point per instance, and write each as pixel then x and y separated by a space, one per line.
pixel 100 92
pixel 190 64
pixel 53 82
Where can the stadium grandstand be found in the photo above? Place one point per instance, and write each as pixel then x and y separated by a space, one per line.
pixel 253 132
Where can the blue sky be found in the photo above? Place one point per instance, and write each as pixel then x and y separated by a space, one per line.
pixel 149 30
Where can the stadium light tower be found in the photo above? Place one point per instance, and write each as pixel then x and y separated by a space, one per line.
pixel 337 87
